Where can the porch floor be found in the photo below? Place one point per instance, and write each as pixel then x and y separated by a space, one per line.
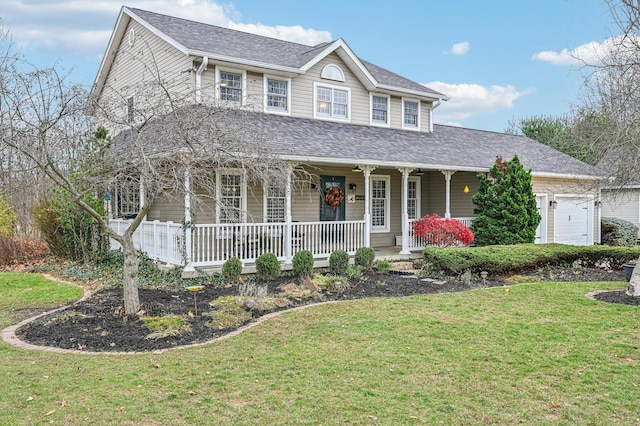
pixel 389 252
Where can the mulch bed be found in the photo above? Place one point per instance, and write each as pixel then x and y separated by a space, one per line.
pixel 98 324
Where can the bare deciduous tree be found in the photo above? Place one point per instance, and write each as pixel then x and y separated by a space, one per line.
pixel 171 147
pixel 608 118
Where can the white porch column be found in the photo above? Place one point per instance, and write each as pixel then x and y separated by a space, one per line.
pixel 288 255
pixel 367 200
pixel 447 178
pixel 188 252
pixel 405 209
pixel 141 196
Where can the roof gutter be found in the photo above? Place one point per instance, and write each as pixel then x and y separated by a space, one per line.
pixel 202 68
pixel 433 106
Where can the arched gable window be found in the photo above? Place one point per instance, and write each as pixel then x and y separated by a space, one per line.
pixel 332 72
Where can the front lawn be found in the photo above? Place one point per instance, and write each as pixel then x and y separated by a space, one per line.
pixel 23 294
pixel 533 354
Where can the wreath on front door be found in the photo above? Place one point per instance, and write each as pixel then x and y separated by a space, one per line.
pixel 333 196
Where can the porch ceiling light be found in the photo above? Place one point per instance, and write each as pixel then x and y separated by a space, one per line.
pixel 356 169
pixel 419 172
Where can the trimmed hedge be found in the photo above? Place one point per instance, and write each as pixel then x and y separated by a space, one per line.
pixel 618 232
pixel 509 259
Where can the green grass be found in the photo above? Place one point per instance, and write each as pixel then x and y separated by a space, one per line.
pixel 535 354
pixel 21 294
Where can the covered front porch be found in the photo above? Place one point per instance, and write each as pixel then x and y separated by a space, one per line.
pixel 374 207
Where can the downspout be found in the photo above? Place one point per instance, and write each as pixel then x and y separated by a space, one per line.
pixel 433 106
pixel 202 68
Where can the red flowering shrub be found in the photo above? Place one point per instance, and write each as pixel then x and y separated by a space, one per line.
pixel 441 232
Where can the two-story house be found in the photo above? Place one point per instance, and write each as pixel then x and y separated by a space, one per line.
pixel 366 134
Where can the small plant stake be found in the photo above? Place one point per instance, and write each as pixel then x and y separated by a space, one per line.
pixel 195 289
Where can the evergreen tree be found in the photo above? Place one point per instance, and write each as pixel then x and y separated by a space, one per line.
pixel 505 205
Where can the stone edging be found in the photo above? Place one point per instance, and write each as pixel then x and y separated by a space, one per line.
pixel 9 333
pixel 9 336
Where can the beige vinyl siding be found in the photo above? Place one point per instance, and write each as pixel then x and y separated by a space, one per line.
pixel 167 209
pixel 255 91
pixel 302 91
pixel 135 64
pixel 623 205
pixel 434 193
pixel 425 121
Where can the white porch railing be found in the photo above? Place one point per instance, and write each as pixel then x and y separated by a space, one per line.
pixel 418 243
pixel 163 241
pixel 213 244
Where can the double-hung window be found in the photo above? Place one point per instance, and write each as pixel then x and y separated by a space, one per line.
pixel 410 114
pixel 380 187
pixel 277 95
pixel 332 102
pixel 231 197
pixel 127 198
pixel 379 109
pixel 231 87
pixel 275 202
pixel 413 197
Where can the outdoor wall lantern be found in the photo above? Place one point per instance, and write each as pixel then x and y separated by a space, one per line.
pixel 353 187
pixel 466 189
pixel 597 203
pixel 553 203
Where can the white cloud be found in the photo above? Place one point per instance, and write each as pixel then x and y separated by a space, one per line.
pixel 470 100
pixel 460 48
pixel 588 53
pixel 79 26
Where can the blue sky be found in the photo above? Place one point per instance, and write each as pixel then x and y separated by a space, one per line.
pixel 498 60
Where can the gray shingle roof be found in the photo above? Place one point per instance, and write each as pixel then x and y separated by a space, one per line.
pixel 214 40
pixel 447 147
pixel 452 148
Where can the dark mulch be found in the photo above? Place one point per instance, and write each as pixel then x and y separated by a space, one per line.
pixel 98 324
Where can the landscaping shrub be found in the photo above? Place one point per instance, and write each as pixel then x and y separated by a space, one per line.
pixel 8 217
pixel 382 266
pixel 231 270
pixel 441 232
pixel 302 263
pixel 618 232
pixel 505 205
pixel 69 231
pixel 20 249
pixel 364 257
pixel 339 262
pixel 267 266
pixel 509 259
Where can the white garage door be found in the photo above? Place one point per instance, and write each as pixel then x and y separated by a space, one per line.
pixel 574 221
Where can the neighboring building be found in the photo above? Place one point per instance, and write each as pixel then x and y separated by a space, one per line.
pixel 623 203
pixel 365 132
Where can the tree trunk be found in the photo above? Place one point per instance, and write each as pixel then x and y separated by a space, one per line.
pixel 634 283
pixel 130 277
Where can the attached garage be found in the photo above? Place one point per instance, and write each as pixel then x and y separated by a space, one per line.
pixel 573 220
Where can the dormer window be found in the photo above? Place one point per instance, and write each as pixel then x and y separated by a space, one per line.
pixel 410 114
pixel 231 86
pixel 332 72
pixel 331 102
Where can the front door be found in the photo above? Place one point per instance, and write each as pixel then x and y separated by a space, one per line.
pixel 332 198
